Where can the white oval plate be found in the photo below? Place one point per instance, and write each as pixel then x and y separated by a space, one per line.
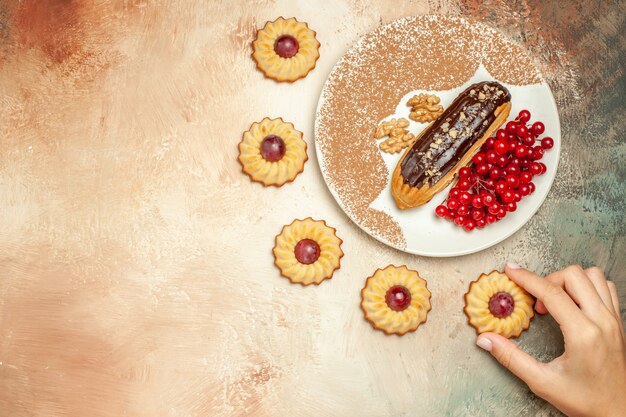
pixel 426 234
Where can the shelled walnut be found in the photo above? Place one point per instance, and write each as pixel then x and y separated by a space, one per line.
pixel 398 135
pixel 424 108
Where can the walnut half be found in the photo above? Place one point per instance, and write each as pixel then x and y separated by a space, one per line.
pixel 424 108
pixel 398 136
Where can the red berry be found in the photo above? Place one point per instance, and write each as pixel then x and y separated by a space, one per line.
pixel 478 214
pixel 490 218
pixel 469 225
pixel 518 196
pixel 510 137
pixel 502 160
pixel 501 147
pixel 273 148
pixel 482 169
pixel 512 181
pixel 286 46
pixel 525 177
pixel 508 196
pixel 465 197
pixel 501 134
pixel 477 201
pixel 464 172
pixel 531 187
pixel 528 140
pixel 514 161
pixel 530 154
pixel 463 184
pixel 513 144
pixel 488 199
pixel 501 213
pixel 479 158
pixel 441 210
pixel 495 173
pixel 543 166
pixel 494 208
pixel 501 187
pixel 454 192
pixel 463 210
pixel 524 189
pixel 511 206
pixel 538 128
pixel 521 151
pixel 521 131
pixel 307 251
pixel 547 143
pixel 453 204
pixel 538 153
pixel 460 220
pixel 480 223
pixel 524 116
pixel 451 214
pixel 490 183
pixel 535 168
pixel 488 144
pixel 511 127
pixel 525 162
pixel 492 156
pixel 398 298
pixel 512 169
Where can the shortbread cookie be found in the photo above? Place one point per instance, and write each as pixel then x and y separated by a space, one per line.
pixel 307 251
pixel 272 152
pixel 395 300
pixel 285 49
pixel 496 304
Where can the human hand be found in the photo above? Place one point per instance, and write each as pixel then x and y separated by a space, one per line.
pixel 589 379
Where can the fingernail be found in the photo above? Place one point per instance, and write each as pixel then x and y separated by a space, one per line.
pixel 484 343
pixel 512 265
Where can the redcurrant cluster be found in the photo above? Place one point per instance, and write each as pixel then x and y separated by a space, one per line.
pixel 501 174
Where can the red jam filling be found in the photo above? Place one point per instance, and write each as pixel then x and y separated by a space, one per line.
pixel 307 251
pixel 286 46
pixel 501 304
pixel 273 148
pixel 398 298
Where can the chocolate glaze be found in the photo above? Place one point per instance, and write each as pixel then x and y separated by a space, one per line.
pixel 449 137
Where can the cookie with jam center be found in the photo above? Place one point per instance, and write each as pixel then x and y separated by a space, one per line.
pixel 286 50
pixel 272 152
pixel 307 251
pixel 395 300
pixel 494 303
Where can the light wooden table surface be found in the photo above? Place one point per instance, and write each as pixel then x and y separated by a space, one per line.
pixel 136 275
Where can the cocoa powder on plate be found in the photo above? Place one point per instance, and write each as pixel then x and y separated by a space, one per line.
pixel 413 53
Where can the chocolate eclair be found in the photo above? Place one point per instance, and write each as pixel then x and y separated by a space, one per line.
pixel 449 143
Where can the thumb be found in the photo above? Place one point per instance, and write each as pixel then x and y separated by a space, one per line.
pixel 524 366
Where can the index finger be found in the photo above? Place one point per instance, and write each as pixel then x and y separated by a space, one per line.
pixel 557 301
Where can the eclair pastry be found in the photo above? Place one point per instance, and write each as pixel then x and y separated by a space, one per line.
pixel 449 143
